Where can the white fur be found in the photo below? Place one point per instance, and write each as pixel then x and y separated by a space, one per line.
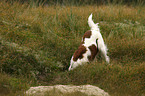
pixel 88 42
pixel 80 61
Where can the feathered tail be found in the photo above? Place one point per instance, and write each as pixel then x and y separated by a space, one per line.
pixel 91 23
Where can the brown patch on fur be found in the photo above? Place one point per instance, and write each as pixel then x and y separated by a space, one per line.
pixel 86 35
pixel 79 53
pixel 94 51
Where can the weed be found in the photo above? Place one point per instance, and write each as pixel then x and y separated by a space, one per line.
pixel 36 43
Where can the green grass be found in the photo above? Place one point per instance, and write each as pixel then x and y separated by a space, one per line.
pixel 36 44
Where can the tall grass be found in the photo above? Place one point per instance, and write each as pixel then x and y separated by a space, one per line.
pixel 36 43
pixel 79 2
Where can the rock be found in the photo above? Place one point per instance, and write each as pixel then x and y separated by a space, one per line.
pixel 86 89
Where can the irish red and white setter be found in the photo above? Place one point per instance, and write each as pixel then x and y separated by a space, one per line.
pixel 92 43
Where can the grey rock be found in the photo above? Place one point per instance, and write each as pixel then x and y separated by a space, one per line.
pixel 86 89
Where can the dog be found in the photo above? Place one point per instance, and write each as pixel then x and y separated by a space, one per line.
pixel 92 43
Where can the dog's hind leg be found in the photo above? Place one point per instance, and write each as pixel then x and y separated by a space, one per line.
pixel 103 51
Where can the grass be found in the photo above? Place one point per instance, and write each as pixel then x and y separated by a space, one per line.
pixel 36 44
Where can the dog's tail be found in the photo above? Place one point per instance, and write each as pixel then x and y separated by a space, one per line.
pixel 91 23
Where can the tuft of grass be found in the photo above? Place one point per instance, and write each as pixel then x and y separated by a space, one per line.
pixel 11 86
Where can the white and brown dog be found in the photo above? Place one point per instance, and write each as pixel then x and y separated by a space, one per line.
pixel 92 43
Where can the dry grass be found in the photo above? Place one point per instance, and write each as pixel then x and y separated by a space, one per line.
pixel 38 42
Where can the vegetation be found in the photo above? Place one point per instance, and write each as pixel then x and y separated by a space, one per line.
pixel 79 2
pixel 36 44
